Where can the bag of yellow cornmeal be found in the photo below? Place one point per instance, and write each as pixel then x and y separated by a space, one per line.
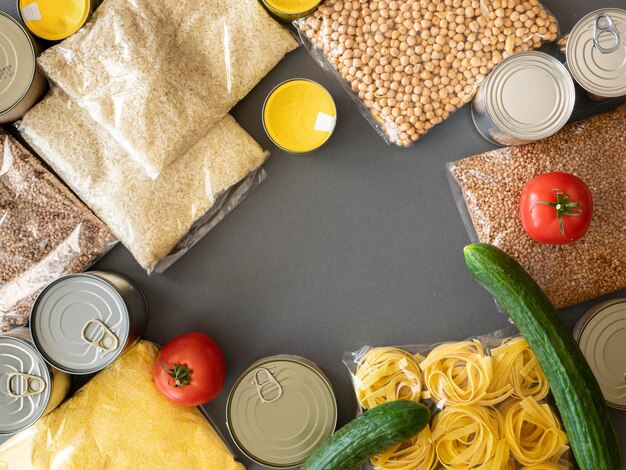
pixel 119 420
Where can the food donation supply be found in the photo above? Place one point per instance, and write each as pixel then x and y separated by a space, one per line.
pixel 576 392
pixel 491 394
pixel 159 74
pixel 372 432
pixel 290 10
pixel 82 322
pixel 601 335
pixel 190 369
pixel 153 218
pixel 299 116
pixel 410 63
pixel 45 232
pixel 120 420
pixel 595 51
pixel 21 83
pixel 54 20
pixel 556 208
pixel 30 388
pixel 528 97
pixel 280 410
pixel 489 187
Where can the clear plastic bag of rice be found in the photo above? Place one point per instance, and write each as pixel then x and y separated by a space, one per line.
pixel 157 220
pixel 45 232
pixel 157 74
pixel 409 64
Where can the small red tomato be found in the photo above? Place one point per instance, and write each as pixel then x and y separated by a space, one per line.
pixel 190 369
pixel 556 208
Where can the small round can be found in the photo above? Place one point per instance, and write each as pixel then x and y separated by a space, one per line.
pixel 280 410
pixel 290 10
pixel 55 20
pixel 81 323
pixel 29 388
pixel 595 52
pixel 299 116
pixel 528 97
pixel 21 82
pixel 601 335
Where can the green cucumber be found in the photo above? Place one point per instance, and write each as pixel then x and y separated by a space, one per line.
pixel 374 431
pixel 576 391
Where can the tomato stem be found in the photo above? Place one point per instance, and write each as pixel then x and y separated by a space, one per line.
pixel 563 207
pixel 180 375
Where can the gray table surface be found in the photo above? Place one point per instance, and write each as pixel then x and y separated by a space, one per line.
pixel 358 244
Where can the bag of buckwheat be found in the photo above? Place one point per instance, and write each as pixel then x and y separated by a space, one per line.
pixel 45 232
pixel 488 187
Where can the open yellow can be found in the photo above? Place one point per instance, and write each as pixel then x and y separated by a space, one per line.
pixel 299 116
pixel 290 10
pixel 54 20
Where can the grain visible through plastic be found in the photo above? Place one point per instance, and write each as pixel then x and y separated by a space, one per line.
pixel 119 420
pixel 594 150
pixel 158 74
pixel 412 63
pixel 45 232
pixel 149 216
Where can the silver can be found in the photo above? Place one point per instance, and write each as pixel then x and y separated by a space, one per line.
pixel 29 388
pixel 595 52
pixel 81 323
pixel 528 97
pixel 21 82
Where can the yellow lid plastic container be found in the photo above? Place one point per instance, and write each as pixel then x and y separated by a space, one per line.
pixel 290 10
pixel 299 116
pixel 54 20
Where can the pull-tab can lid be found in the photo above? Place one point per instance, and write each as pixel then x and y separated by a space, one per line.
pixel 280 410
pixel 601 334
pixel 597 70
pixel 24 385
pixel 80 323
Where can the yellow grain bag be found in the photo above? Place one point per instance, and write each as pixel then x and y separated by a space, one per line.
pixel 120 421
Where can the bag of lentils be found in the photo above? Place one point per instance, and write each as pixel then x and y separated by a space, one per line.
pixel 409 64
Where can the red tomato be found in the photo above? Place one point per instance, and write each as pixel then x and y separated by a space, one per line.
pixel 190 369
pixel 556 208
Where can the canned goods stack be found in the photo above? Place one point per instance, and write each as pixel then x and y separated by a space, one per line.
pixel 79 325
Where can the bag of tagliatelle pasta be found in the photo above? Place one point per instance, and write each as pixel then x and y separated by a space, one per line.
pixel 490 400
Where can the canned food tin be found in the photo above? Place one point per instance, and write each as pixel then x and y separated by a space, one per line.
pixel 595 52
pixel 55 20
pixel 280 410
pixel 601 334
pixel 299 116
pixel 21 83
pixel 290 10
pixel 29 388
pixel 83 322
pixel 528 97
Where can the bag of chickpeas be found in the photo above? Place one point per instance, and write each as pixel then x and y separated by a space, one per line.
pixel 409 64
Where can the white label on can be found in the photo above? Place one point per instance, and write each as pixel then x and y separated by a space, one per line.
pixel 324 122
pixel 31 12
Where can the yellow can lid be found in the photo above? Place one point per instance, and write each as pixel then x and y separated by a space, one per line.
pixel 54 19
pixel 292 6
pixel 299 115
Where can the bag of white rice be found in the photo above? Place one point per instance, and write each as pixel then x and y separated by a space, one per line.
pixel 158 73
pixel 150 217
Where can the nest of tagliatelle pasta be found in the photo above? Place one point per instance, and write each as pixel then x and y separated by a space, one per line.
pixel 490 402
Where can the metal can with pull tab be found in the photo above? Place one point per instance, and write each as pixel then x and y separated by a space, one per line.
pixel 595 52
pixel 81 323
pixel 29 388
pixel 280 410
